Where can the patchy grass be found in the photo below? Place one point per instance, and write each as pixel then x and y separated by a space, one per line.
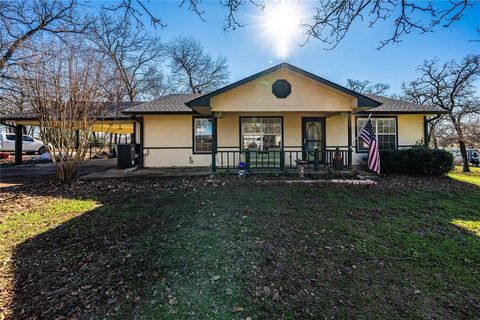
pixel 472 177
pixel 472 226
pixel 232 249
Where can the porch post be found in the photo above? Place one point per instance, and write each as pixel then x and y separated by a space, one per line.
pixel 350 150
pixel 214 143
pixel 141 160
pixel 18 143
pixel 133 136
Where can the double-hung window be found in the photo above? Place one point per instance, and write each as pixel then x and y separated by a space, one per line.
pixel 202 135
pixel 261 134
pixel 385 130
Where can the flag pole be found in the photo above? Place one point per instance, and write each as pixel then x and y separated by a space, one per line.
pixel 369 116
pixel 368 119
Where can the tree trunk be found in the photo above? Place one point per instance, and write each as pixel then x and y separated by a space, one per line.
pixel 66 173
pixel 463 151
pixel 461 142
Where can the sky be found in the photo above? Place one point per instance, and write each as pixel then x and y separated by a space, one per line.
pixel 250 49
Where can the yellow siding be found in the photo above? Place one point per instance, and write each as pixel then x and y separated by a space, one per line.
pixel 306 95
pixel 175 132
pixel 410 129
pixel 175 158
pixel 337 131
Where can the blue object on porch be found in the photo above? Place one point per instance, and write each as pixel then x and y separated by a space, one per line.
pixel 242 169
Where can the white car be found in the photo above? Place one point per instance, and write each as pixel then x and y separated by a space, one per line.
pixel 29 144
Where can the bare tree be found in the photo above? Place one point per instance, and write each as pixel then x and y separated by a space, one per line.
pixel 64 90
pixel 135 9
pixel 22 20
pixel 333 19
pixel 135 56
pixel 472 130
pixel 192 69
pixel 451 87
pixel 365 86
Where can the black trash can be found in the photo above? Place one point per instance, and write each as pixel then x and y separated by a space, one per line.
pixel 126 156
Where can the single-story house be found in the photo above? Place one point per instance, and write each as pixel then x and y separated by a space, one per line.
pixel 270 120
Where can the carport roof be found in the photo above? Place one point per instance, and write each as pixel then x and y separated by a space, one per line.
pixel 111 111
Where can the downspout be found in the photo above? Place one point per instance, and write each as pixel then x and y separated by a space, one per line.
pixel 349 130
pixel 214 143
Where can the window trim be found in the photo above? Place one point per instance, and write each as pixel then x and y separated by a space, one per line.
pixel 193 135
pixel 240 144
pixel 357 150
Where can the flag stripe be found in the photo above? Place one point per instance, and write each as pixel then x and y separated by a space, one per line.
pixel 368 136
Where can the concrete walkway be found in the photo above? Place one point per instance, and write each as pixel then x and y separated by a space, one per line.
pixel 91 170
pixel 30 173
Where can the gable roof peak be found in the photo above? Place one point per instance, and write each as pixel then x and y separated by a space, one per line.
pixel 362 100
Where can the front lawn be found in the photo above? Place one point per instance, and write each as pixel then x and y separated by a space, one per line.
pixel 227 248
pixel 472 177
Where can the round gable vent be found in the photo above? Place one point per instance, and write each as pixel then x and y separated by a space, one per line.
pixel 281 88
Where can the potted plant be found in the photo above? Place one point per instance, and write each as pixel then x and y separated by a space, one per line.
pixel 338 159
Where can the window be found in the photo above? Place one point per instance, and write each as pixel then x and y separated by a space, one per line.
pixel 385 129
pixel 261 134
pixel 27 138
pixel 11 137
pixel 202 135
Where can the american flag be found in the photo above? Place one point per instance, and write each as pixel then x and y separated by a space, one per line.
pixel 368 136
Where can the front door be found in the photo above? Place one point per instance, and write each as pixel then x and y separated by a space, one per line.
pixel 313 137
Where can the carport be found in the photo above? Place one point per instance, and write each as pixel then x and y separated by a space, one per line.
pixel 111 120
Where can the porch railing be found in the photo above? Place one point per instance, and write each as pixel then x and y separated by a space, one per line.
pixel 283 159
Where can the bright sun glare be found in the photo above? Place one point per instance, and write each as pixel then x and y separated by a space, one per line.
pixel 280 24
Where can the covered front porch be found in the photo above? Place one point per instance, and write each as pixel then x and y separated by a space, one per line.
pixel 280 141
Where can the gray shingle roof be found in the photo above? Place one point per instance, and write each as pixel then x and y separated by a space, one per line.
pixel 391 105
pixel 114 110
pixel 25 115
pixel 172 103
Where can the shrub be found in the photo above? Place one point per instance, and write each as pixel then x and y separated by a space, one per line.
pixel 416 161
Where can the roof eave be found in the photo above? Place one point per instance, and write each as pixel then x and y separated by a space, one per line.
pixel 159 112
pixel 402 112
